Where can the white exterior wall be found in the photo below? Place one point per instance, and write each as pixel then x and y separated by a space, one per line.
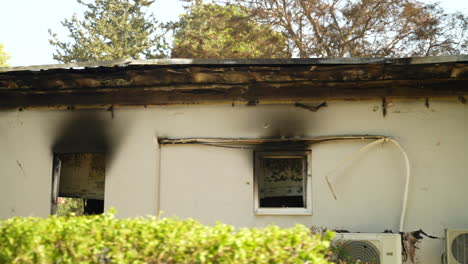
pixel 215 184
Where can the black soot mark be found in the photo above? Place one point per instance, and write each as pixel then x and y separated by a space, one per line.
pixel 291 126
pixel 87 132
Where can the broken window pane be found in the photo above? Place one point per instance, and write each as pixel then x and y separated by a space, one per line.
pixel 282 182
pixel 82 175
pixel 78 184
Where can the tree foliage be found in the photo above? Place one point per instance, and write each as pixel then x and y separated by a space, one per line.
pixel 117 29
pixel 110 29
pixel 215 31
pixel 363 28
pixel 4 57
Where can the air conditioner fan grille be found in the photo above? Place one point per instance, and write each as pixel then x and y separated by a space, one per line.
pixel 358 252
pixel 460 248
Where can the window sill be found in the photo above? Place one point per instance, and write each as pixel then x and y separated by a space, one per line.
pixel 283 211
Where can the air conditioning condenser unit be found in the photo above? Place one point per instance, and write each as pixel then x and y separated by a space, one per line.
pixel 367 248
pixel 457 246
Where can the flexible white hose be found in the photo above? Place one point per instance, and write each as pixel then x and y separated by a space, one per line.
pixel 405 194
pixel 345 163
pixel 361 151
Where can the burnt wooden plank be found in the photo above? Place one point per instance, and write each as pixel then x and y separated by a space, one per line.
pixel 418 71
pixel 209 94
pixel 130 78
pixel 225 83
pixel 459 71
pixel 238 62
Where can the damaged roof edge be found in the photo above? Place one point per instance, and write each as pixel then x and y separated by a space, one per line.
pixel 221 62
pixel 250 81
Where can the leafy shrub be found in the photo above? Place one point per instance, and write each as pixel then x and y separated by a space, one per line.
pixel 70 207
pixel 103 239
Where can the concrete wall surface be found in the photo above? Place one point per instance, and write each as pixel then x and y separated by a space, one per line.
pixel 216 184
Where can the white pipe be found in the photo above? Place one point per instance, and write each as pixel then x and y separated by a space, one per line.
pixel 405 194
pixel 157 147
pixel 361 151
pixel 345 163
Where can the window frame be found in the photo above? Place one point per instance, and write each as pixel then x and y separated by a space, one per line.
pixel 58 168
pixel 258 172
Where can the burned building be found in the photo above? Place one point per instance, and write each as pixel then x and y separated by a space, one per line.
pixel 363 145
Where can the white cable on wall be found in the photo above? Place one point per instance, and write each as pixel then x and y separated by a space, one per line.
pixel 405 194
pixel 348 161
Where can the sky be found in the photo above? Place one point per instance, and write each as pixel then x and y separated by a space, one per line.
pixel 24 24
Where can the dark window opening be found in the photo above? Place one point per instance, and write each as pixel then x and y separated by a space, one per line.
pixel 78 184
pixel 282 201
pixel 78 206
pixel 281 179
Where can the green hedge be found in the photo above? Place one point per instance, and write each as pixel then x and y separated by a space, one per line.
pixel 103 239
